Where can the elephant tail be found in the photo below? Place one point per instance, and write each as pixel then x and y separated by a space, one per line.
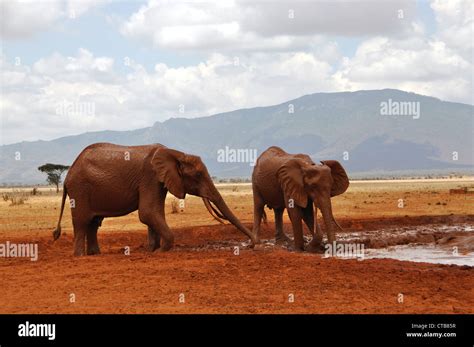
pixel 57 231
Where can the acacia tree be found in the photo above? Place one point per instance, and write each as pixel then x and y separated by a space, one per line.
pixel 54 172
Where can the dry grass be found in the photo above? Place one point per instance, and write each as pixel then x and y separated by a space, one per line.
pixel 38 215
pixel 15 197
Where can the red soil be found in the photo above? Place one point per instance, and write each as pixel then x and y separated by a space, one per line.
pixel 217 281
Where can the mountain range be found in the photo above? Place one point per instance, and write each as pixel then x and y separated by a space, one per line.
pixel 373 131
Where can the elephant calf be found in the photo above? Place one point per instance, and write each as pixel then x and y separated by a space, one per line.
pixel 108 180
pixel 293 181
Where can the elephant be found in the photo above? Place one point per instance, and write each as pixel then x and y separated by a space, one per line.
pixel 108 180
pixel 293 181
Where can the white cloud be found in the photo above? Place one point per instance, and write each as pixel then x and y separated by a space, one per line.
pixel 83 67
pixel 430 68
pixel 455 21
pixel 440 65
pixel 242 25
pixel 277 61
pixel 76 8
pixel 142 97
pixel 24 18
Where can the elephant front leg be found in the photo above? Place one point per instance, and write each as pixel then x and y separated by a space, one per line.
pixel 308 217
pixel 157 228
pixel 258 212
pixel 296 217
pixel 154 239
pixel 166 235
pixel 159 234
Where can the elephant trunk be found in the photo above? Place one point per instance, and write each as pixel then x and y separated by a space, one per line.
pixel 328 217
pixel 224 212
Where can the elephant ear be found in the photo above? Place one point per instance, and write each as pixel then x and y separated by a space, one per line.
pixel 166 163
pixel 339 175
pixel 290 177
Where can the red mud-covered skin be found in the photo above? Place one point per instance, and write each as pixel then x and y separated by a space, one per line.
pixel 293 182
pixel 108 180
pixel 204 271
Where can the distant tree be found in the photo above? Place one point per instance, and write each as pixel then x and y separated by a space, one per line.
pixel 54 172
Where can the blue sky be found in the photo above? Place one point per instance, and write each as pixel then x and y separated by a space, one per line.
pixel 190 59
pixel 96 34
pixel 99 35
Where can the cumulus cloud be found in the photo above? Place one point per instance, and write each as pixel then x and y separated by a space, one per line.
pixel 23 18
pixel 243 25
pixel 254 56
pixel 455 21
pixel 32 94
pixel 381 60
pixel 81 68
pixel 439 65
pixel 20 19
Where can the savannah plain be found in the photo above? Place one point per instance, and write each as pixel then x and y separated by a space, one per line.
pixel 206 273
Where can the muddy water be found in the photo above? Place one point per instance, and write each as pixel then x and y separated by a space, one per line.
pixel 445 244
pixel 440 244
pixel 431 253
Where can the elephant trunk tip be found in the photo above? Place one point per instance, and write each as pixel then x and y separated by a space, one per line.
pixel 56 233
pixel 339 226
pixel 255 241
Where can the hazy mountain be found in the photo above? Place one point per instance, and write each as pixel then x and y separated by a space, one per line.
pixel 324 125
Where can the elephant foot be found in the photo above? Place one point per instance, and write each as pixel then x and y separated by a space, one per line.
pixel 153 246
pixel 282 239
pixel 78 252
pixel 162 250
pixel 165 247
pixel 93 250
pixel 314 248
pixel 296 249
pixel 255 241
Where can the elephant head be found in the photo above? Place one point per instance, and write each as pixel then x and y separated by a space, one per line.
pixel 303 179
pixel 183 174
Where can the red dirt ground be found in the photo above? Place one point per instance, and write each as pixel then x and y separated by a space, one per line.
pixel 217 281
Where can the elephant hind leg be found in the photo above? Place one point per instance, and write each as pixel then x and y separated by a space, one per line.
pixel 280 236
pixel 91 236
pixel 81 228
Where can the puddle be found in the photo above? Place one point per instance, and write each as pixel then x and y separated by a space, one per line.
pixel 422 253
pixel 437 244
pixel 425 243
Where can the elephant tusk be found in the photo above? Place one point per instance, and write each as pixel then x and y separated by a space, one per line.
pixel 217 212
pixel 213 211
pixel 219 215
